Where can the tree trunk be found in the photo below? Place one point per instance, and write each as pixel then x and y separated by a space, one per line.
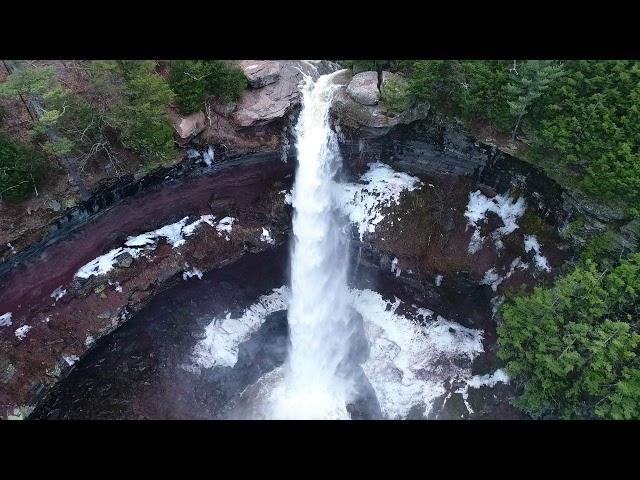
pixel 69 164
pixel 515 129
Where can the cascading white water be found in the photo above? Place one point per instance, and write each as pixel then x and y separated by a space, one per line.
pixel 320 329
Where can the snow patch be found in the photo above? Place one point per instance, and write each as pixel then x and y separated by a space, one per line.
pixel 224 335
pixel 266 237
pixel 394 267
pixel 5 320
pixel 225 226
pixel 105 263
pixel 531 243
pixel 194 272
pixel 438 280
pixel 142 244
pixel 504 206
pixel 491 277
pixel 58 293
pixel 488 380
pixel 379 187
pixel 70 359
pixel 22 331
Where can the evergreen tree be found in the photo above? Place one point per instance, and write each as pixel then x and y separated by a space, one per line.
pixel 193 80
pixel 531 80
pixel 21 169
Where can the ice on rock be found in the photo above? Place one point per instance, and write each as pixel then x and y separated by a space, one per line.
pixel 138 245
pixel 21 332
pixel 208 156
pixel 194 272
pixel 394 267
pixel 58 293
pixel 266 237
pixel 531 244
pixel 5 319
pixel 379 187
pixel 71 359
pixel 410 363
pixel 224 335
pixel 508 209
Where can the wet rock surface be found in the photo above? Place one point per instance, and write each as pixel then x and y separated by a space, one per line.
pixel 60 330
pixel 139 371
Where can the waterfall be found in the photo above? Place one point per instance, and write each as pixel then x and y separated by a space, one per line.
pixel 316 381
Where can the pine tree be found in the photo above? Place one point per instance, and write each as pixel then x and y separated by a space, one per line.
pixel 529 82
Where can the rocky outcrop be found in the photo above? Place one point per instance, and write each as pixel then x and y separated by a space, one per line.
pixel 356 108
pixel 189 126
pixel 260 73
pixel 56 332
pixel 363 88
pixel 262 105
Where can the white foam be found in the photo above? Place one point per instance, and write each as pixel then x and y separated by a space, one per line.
pixel 409 364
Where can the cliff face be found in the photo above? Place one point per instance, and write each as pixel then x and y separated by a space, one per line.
pixel 480 224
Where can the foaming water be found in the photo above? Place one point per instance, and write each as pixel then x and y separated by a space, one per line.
pixel 316 382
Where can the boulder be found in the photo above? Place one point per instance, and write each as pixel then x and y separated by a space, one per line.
pixel 363 88
pixel 371 120
pixel 260 73
pixel 123 260
pixel 189 126
pixel 260 106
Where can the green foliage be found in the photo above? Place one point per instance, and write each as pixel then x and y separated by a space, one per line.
pixel 481 94
pixel 368 65
pixel 571 349
pixel 591 120
pixel 29 81
pixel 533 79
pixel 603 249
pixel 136 99
pixel 581 118
pixel 394 94
pixel 21 169
pixel 193 80
pixel 62 112
pixel 142 119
